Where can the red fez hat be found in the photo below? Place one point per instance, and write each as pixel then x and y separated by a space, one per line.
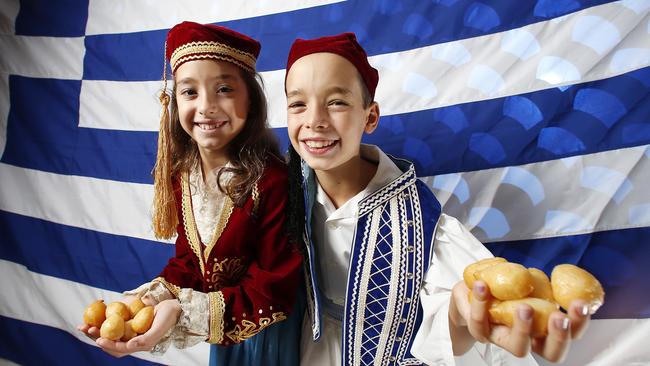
pixel 193 41
pixel 344 45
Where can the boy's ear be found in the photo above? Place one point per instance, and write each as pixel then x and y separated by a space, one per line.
pixel 372 120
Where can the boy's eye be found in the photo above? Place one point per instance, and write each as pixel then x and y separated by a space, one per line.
pixel 296 105
pixel 337 102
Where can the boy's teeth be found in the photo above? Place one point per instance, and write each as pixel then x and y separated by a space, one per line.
pixel 318 144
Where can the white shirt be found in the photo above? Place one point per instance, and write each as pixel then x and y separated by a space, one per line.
pixel 454 248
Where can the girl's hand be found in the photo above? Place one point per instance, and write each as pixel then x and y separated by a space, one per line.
pixel 166 315
pixel 93 332
pixel 562 328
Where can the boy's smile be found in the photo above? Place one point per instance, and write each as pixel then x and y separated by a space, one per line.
pixel 325 112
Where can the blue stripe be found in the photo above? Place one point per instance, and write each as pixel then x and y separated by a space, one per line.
pixel 65 18
pixel 27 343
pixel 618 258
pixel 48 137
pixel 397 25
pixel 499 132
pixel 527 128
pixel 111 262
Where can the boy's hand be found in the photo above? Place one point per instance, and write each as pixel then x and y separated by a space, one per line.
pixel 516 340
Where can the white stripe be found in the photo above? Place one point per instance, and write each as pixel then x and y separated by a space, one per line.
pixel 90 203
pixel 123 16
pixel 4 362
pixel 588 193
pixel 8 13
pixel 4 110
pixel 42 57
pixel 457 72
pixel 132 106
pixel 59 303
pixel 610 342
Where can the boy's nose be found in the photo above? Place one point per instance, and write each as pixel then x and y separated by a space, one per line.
pixel 317 119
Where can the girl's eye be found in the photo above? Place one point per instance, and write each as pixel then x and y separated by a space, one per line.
pixel 224 89
pixel 188 92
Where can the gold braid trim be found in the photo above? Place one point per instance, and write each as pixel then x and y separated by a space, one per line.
pixel 204 49
pixel 256 198
pixel 217 310
pixel 228 206
pixel 175 290
pixel 238 335
pixel 188 220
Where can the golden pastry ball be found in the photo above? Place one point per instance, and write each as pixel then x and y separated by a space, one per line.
pixel 135 306
pixel 142 320
pixel 118 308
pixel 505 311
pixel 95 314
pixel 570 283
pixel 128 332
pixel 469 274
pixel 112 328
pixel 541 285
pixel 507 281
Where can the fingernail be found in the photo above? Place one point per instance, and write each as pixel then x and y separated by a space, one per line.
pixel 525 313
pixel 585 310
pixel 562 323
pixel 479 289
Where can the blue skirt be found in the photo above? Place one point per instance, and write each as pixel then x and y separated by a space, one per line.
pixel 277 345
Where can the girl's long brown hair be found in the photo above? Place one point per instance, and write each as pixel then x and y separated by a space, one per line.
pixel 248 152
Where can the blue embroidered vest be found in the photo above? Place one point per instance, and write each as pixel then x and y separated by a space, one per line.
pixel 390 256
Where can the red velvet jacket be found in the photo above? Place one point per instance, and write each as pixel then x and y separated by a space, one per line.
pixel 250 271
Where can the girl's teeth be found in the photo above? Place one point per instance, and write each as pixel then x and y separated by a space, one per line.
pixel 210 126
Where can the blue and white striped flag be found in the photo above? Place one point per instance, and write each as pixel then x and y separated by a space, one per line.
pixel 529 119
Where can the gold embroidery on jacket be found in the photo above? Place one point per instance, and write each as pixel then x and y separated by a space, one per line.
pixel 227 271
pixel 217 310
pixel 188 220
pixel 221 225
pixel 239 334
pixel 175 290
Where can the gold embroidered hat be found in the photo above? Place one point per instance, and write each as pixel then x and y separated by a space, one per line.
pixel 193 41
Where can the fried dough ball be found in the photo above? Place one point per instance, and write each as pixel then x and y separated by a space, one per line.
pixel 142 320
pixel 135 306
pixel 469 274
pixel 112 328
pixel 541 285
pixel 95 314
pixel 507 281
pixel 118 308
pixel 570 283
pixel 128 332
pixel 504 313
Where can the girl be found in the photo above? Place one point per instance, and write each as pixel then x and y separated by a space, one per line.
pixel 220 184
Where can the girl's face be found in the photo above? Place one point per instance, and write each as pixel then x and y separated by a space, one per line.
pixel 213 102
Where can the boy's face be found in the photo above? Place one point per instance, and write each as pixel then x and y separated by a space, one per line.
pixel 325 113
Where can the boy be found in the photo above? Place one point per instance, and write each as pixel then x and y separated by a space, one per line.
pixel 382 258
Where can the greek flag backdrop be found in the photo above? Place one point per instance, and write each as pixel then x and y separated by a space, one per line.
pixel 530 120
